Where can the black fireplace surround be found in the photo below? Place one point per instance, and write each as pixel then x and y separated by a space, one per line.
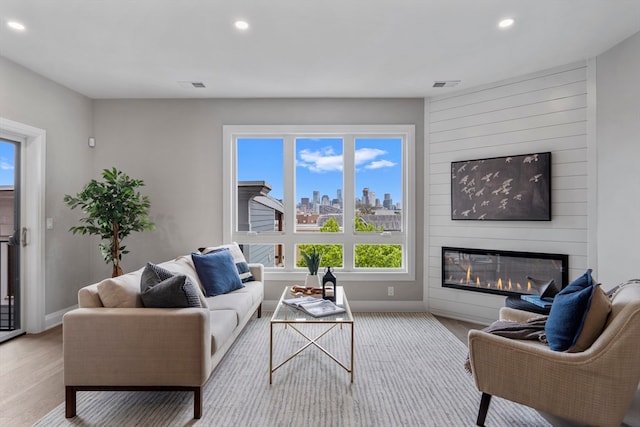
pixel 502 272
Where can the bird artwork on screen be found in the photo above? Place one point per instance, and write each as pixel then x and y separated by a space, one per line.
pixel 510 188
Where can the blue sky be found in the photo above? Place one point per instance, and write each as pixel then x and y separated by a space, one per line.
pixel 6 163
pixel 319 165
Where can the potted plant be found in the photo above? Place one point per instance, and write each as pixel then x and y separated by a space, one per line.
pixel 114 209
pixel 312 259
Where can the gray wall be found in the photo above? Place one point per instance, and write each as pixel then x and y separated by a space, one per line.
pixel 66 116
pixel 618 167
pixel 175 146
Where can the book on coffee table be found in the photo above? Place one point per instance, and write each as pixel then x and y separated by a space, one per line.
pixel 315 307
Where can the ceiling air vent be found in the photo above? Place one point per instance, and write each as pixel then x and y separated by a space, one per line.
pixel 446 83
pixel 191 85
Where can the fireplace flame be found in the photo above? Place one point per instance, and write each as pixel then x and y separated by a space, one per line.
pixel 499 285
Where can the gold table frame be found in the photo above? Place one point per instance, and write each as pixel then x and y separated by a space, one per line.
pixel 293 317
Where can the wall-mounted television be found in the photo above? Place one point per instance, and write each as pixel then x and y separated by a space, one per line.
pixel 509 188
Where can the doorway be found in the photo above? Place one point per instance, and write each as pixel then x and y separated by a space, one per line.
pixel 10 316
pixel 29 145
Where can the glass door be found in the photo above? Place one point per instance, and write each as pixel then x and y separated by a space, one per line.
pixel 10 237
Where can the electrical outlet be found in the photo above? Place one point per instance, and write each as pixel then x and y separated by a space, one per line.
pixel 390 291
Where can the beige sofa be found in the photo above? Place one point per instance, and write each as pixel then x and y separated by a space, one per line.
pixel 129 347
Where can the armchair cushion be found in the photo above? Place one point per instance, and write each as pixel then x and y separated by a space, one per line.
pixel 578 315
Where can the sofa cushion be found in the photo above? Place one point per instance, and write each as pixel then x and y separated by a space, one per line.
pixel 122 291
pixel 569 314
pixel 223 323
pixel 238 301
pixel 254 289
pixel 161 288
pixel 238 259
pixel 217 272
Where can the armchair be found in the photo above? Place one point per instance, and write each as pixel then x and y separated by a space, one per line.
pixel 594 387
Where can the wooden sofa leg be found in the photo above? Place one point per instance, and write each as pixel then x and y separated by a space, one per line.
pixel 484 408
pixel 70 402
pixel 260 311
pixel 197 403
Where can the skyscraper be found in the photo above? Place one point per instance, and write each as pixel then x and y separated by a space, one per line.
pixel 365 196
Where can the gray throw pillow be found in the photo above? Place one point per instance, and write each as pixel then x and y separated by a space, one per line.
pixel 161 288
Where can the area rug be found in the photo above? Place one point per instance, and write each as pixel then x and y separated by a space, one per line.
pixel 408 372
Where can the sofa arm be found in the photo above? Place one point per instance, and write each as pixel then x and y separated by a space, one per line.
pixel 257 271
pixel 136 347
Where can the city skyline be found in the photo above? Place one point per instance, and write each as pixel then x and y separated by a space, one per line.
pixel 378 166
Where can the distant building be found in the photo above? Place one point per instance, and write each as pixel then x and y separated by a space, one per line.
pixel 388 202
pixel 257 211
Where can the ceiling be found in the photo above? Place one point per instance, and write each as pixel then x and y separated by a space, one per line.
pixel 303 48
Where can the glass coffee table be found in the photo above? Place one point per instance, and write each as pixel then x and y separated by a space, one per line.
pixel 293 318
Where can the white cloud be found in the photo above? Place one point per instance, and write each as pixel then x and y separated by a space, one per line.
pixel 326 160
pixel 5 166
pixel 378 164
pixel 365 155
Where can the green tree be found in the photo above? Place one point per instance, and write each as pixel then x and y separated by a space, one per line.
pixel 376 256
pixel 114 210
pixel 366 255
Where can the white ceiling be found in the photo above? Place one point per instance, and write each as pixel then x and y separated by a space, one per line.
pixel 303 48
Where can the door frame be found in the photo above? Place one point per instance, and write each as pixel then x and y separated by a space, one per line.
pixel 32 216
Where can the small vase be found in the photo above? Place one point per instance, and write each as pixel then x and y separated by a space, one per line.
pixel 312 281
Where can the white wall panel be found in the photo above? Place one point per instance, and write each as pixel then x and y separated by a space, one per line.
pixel 545 111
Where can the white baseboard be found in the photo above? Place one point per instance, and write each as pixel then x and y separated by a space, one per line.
pixel 372 306
pixel 54 319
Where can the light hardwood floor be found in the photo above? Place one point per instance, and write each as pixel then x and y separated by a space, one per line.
pixel 31 381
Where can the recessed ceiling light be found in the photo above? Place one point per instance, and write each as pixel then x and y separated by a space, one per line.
pixel 241 25
pixel 16 25
pixel 506 23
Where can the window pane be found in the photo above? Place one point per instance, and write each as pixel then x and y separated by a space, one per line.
pixel 319 163
pixel 260 184
pixel 268 255
pixel 331 255
pixel 378 181
pixel 378 256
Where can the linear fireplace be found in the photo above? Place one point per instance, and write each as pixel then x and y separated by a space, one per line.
pixel 502 272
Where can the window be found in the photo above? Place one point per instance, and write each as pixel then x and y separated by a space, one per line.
pixel 341 189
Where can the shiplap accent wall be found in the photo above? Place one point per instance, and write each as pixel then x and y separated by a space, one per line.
pixel 544 111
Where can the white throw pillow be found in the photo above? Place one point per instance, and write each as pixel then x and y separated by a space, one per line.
pixel 122 291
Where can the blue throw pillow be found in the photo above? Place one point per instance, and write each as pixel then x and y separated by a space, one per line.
pixel 217 272
pixel 238 257
pixel 568 313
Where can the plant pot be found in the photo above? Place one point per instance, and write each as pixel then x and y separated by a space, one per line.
pixel 312 281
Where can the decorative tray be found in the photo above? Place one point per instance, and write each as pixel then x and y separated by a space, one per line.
pixel 308 291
